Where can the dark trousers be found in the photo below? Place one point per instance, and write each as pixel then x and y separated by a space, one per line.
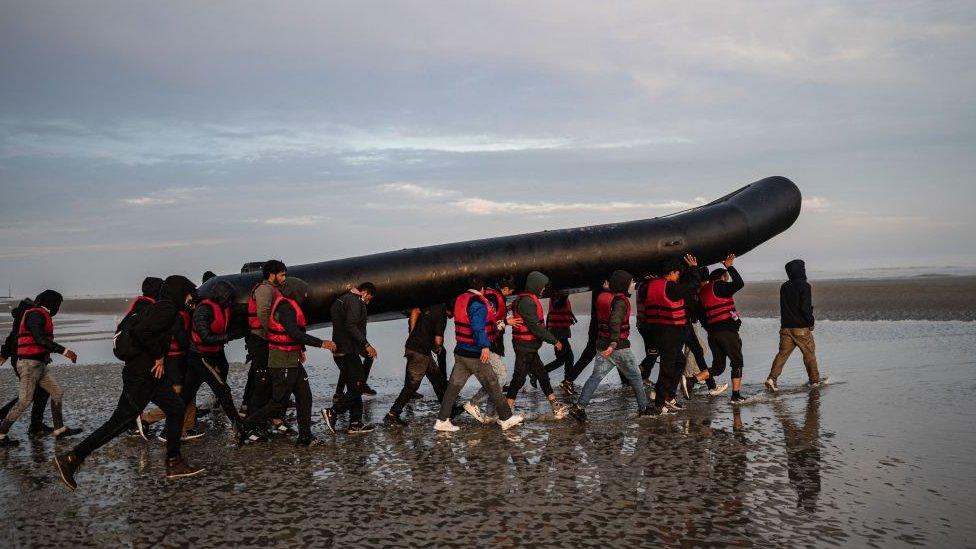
pixel 697 351
pixel 668 340
pixel 139 388
pixel 352 375
pixel 37 408
pixel 343 384
pixel 285 383
pixel 564 358
pixel 650 352
pixel 584 360
pixel 442 366
pixel 419 366
pixel 528 362
pixel 258 376
pixel 725 344
pixel 212 370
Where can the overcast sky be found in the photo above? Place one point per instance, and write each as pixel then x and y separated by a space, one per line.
pixel 172 137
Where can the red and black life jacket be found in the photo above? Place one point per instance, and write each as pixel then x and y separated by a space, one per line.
pixel 560 316
pixel 658 309
pixel 217 326
pixel 604 306
pixel 174 344
pixel 497 302
pixel 717 309
pixel 462 320
pixel 278 338
pixel 27 346
pixel 253 322
pixel 141 299
pixel 522 333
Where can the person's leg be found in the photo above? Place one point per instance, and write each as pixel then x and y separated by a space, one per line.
pixel 41 398
pixel 261 381
pixel 352 401
pixel 501 372
pixel 215 366
pixel 487 378
pixel 136 393
pixel 433 375
pixel 522 362
pixel 732 345
pixel 786 346
pixel 650 351
pixel 49 384
pixel 277 404
pixel 804 340
pixel 716 344
pixel 31 372
pixel 624 360
pixel 442 366
pixel 536 366
pixel 417 367
pixel 586 356
pixel 667 339
pixel 459 376
pixel 367 368
pixel 601 368
pixel 173 406
pixel 303 401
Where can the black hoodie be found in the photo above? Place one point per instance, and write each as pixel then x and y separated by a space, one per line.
pixel 620 282
pixel 795 298
pixel 155 327
pixel 9 349
pixel 50 300
pixel 223 295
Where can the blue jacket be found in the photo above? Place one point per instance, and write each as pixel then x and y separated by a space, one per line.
pixel 478 314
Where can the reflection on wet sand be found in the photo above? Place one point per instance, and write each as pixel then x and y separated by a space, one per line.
pixel 803 450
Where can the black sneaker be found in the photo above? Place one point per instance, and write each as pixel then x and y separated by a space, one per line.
pixel 579 414
pixel 282 429
pixel 368 391
pixel 568 387
pixel 360 428
pixel 67 432
pixel 394 419
pixel 66 465
pixel 505 388
pixel 40 430
pixel 738 398
pixel 651 411
pixel 7 442
pixel 329 416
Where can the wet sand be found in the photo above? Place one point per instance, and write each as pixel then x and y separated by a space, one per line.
pixel 881 458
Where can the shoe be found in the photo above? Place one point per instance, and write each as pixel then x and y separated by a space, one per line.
pixel 445 426
pixel 179 468
pixel 360 428
pixel 66 432
pixel 251 437
pixel 771 385
pixel 686 385
pixel 663 410
pixel 560 411
pixel 141 428
pixel 282 429
pixel 568 387
pixel 511 422
pixel 651 411
pixel 7 442
pixel 191 434
pixel 337 397
pixel 368 391
pixel 394 419
pixel 505 389
pixel 39 431
pixel 242 411
pixel 823 381
pixel 307 441
pixel 673 405
pixel 416 396
pixel 738 398
pixel 66 465
pixel 203 412
pixel 720 390
pixel 329 416
pixel 577 413
pixel 475 412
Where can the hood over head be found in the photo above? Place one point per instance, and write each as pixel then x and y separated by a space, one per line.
pixel 151 286
pixel 208 275
pixel 717 274
pixel 22 307
pixel 175 289
pixel 796 270
pixel 50 300
pixel 620 282
pixel 223 293
pixel 536 282
pixel 295 288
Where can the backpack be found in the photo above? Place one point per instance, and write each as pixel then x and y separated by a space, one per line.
pixel 10 343
pixel 124 346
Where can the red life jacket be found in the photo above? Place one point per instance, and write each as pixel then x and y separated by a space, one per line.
pixel 658 309
pixel 253 322
pixel 522 333
pixel 497 301
pixel 560 316
pixel 717 309
pixel 27 346
pixel 604 306
pixel 174 345
pixel 217 326
pixel 138 300
pixel 462 321
pixel 278 338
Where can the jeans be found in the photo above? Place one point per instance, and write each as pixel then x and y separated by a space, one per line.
pixel 34 374
pixel 464 368
pixel 286 382
pixel 352 375
pixel 212 370
pixel 623 361
pixel 139 388
pixel 419 365
pixel 789 339
pixel 501 372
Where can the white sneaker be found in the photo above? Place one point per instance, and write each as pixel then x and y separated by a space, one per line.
pixel 511 422
pixel 719 389
pixel 445 426
pixel 472 409
pixel 771 385
pixel 823 381
pixel 560 411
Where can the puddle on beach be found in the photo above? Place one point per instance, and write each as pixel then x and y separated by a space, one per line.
pixel 881 457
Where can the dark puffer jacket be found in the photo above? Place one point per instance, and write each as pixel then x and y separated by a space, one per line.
pixel 796 298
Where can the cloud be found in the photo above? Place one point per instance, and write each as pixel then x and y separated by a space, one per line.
pixel 816 203
pixel 25 251
pixel 483 206
pixel 417 191
pixel 168 197
pixel 291 221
